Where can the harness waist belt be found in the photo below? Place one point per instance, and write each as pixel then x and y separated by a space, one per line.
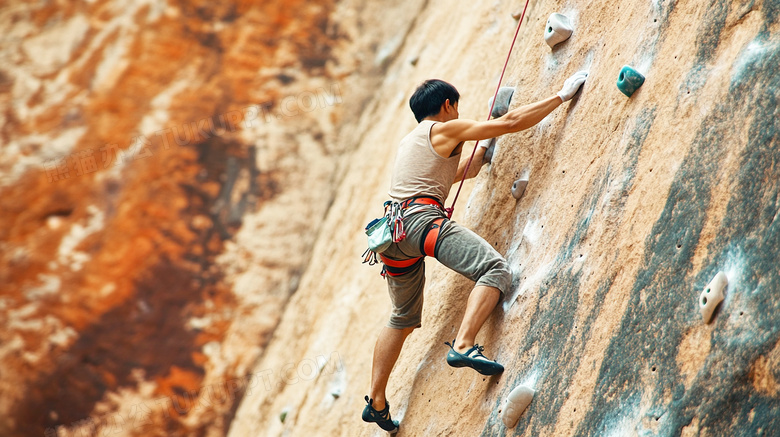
pixel 428 246
pixel 421 201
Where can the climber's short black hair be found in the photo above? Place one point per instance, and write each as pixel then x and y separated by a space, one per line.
pixel 429 97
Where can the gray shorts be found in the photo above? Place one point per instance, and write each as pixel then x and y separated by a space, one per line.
pixel 459 248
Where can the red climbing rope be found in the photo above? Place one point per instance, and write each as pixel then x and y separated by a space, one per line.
pixel 451 209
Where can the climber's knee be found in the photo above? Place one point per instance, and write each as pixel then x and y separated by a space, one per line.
pixel 497 275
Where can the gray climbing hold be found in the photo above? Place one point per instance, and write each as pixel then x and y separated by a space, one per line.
pixel 503 99
pixel 490 149
pixel 517 401
pixel 558 29
pixel 518 188
pixel 712 296
pixel 501 107
pixel 336 394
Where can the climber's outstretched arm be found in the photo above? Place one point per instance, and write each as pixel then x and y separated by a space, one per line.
pixel 514 121
pixel 455 131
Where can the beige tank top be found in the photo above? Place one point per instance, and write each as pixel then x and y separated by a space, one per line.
pixel 419 170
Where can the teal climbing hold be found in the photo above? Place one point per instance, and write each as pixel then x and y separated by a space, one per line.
pixel 629 80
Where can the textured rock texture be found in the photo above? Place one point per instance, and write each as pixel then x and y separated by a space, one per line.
pixel 183 187
pixel 157 163
pixel 632 207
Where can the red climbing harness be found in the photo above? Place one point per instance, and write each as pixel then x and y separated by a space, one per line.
pixel 428 246
pixel 421 201
pixel 451 209
pixel 428 242
pixel 397 268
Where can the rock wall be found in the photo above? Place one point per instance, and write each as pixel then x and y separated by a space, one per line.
pixel 157 166
pixel 181 224
pixel 632 207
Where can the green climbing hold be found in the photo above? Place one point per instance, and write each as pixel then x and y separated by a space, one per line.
pixel 629 80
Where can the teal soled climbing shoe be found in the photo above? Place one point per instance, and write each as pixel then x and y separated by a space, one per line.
pixel 381 418
pixel 473 358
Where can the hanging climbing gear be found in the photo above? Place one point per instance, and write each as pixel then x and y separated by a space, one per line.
pixel 451 208
pixel 429 246
pixel 396 216
pixel 381 233
pixel 379 239
pixel 384 230
pixel 389 229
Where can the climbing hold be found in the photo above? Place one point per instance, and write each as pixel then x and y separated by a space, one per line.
pixel 490 147
pixel 629 80
pixel 283 415
pixel 712 296
pixel 558 29
pixel 517 401
pixel 503 98
pixel 501 107
pixel 336 394
pixel 518 188
pixel 413 60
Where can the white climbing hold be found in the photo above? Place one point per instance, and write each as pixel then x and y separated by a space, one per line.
pixel 518 188
pixel 517 401
pixel 712 296
pixel 558 29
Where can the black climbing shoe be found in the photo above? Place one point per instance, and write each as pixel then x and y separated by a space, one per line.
pixel 381 418
pixel 473 358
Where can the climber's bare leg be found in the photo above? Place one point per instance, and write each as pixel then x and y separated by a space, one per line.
pixel 481 302
pixel 386 352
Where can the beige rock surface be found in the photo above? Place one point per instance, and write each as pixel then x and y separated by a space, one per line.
pixel 210 287
pixel 606 176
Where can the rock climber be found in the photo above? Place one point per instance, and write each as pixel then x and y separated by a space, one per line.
pixel 427 164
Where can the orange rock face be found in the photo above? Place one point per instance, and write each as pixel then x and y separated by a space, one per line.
pixel 109 240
